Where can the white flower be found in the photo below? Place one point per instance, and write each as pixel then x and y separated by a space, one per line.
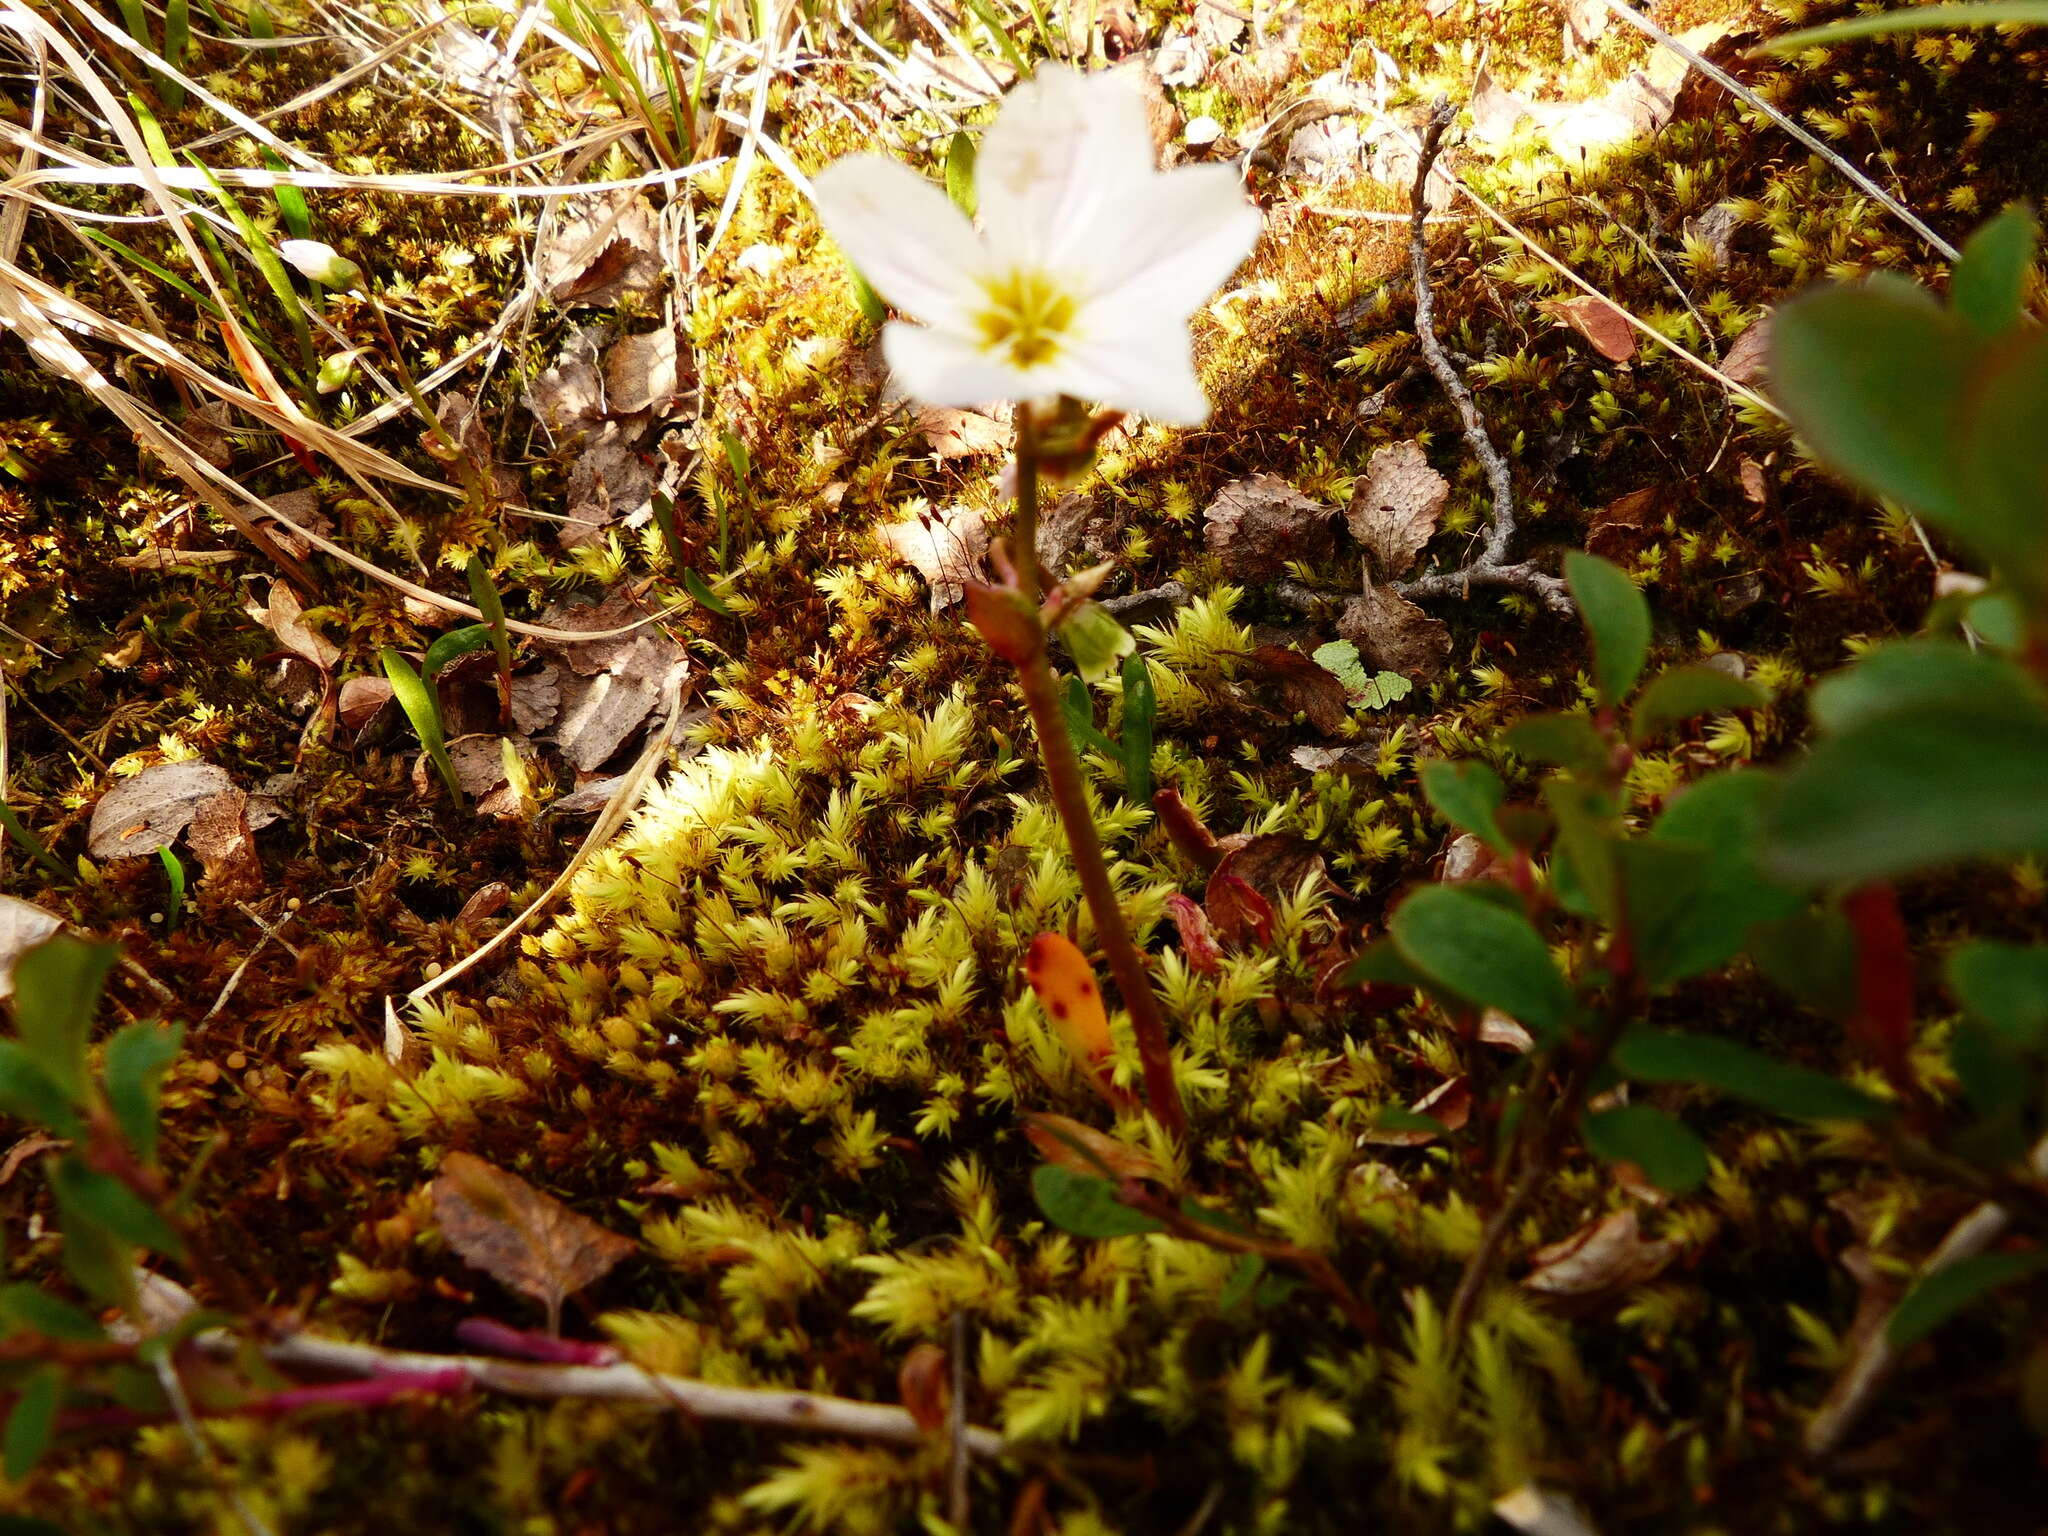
pixel 1085 271
pixel 321 263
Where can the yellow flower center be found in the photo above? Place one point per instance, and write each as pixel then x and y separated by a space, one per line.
pixel 1026 316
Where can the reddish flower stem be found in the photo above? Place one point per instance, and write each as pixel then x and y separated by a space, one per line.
pixel 1070 800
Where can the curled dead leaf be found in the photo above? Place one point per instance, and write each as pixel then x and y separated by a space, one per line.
pixel 521 1237
pixel 1069 1144
pixel 1449 1104
pixel 1599 322
pixel 923 1384
pixel 1601 1259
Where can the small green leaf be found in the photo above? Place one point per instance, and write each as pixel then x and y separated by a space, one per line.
pixel 174 875
pixel 56 993
pixel 1872 377
pixel 1084 1205
pixel 1988 287
pixel 738 460
pixel 1341 660
pixel 1909 675
pixel 484 593
pixel 1700 921
pixel 1141 710
pixel 1466 794
pixel 1077 704
pixel 291 201
pixel 1094 639
pixel 1382 965
pixel 2004 986
pixel 31 1423
pixel 2001 462
pixel 1244 1279
pixel 31 1307
pixel 700 589
pixel 1683 693
pixel 1909 792
pixel 456 642
pixel 1564 741
pixel 1616 617
pixel 134 1065
pixel 107 1202
pixel 424 711
pixel 1666 1056
pixel 1589 828
pixel 27 1092
pixel 869 302
pixel 1812 955
pixel 1483 953
pixel 1670 1155
pixel 1383 689
pixel 1940 1294
pixel 32 845
pixel 960 173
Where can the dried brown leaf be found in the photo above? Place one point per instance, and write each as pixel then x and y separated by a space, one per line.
pixel 1256 525
pixel 609 249
pixel 1395 508
pixel 957 434
pixel 361 699
pixel 23 925
pixel 1304 685
pixel 1394 635
pixel 285 619
pixel 220 834
pixel 923 1385
pixel 140 815
pixel 1599 322
pixel 641 373
pixel 1601 1259
pixel 522 1238
pixel 945 547
pixel 1449 1104
pixel 1068 1143
pixel 1749 356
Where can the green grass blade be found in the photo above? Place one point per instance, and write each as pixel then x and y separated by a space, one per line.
pixel 174 872
pixel 177 44
pixel 424 711
pixel 34 846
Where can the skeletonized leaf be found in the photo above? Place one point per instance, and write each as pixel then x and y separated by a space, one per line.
pixel 522 1238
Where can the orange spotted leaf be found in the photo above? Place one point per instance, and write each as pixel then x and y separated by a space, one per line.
pixel 1065 983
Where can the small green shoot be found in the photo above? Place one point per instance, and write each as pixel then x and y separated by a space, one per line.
pixel 174 873
pixel 417 699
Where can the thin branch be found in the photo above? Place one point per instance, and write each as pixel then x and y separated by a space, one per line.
pixel 772 1408
pixel 1490 568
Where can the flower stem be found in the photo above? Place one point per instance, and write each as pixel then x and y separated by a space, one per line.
pixel 1070 800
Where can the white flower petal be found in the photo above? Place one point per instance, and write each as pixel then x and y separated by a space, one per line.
pixel 942 368
pixel 1171 242
pixel 1148 369
pixel 1063 152
pixel 904 235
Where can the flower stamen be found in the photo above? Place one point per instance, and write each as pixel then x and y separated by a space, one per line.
pixel 1026 317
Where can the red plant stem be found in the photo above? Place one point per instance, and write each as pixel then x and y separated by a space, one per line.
pixel 1070 800
pixel 372 1393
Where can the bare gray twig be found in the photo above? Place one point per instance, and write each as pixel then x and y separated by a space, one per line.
pixel 1490 568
